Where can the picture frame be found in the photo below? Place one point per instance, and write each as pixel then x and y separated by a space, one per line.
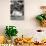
pixel 17 9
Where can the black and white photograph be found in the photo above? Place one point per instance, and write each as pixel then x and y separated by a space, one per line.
pixel 17 9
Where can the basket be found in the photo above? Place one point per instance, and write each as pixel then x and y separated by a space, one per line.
pixel 43 23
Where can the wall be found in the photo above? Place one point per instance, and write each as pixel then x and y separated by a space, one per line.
pixel 26 26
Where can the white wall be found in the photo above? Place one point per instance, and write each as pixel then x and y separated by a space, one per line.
pixel 29 23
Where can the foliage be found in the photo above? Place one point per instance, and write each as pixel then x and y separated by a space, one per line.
pixel 11 31
pixel 41 17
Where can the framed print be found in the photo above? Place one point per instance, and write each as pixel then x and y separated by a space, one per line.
pixel 17 9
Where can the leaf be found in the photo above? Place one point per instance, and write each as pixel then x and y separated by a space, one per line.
pixel 40 18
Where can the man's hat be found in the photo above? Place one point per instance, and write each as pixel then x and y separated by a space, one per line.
pixel 42 7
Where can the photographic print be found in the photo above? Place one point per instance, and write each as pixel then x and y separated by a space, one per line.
pixel 17 9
